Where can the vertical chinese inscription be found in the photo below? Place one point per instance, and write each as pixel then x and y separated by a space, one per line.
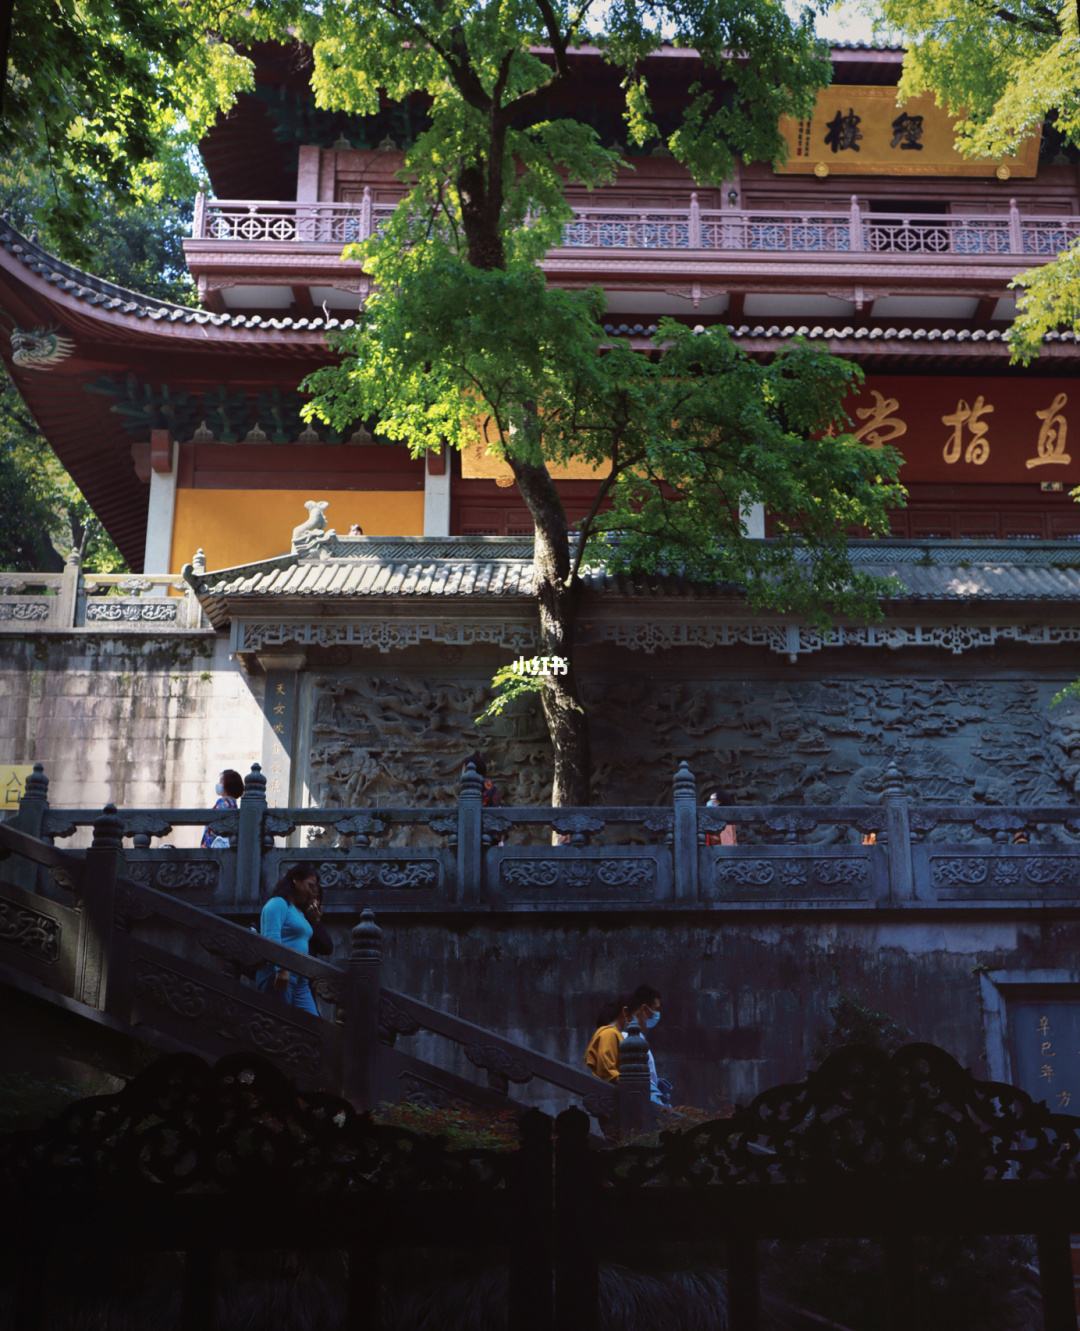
pixel 279 709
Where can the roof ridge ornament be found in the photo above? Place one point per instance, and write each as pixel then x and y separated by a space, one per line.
pixel 307 533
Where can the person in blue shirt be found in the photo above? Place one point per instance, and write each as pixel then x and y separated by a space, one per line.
pixel 290 918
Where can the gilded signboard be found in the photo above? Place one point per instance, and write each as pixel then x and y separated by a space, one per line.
pixel 862 131
pixel 965 428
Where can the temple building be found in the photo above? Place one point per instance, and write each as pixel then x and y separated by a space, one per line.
pixel 351 665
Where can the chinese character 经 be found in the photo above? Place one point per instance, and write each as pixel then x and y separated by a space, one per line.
pixel 881 426
pixel 907 132
pixel 844 131
pixel 978 449
pixel 1050 445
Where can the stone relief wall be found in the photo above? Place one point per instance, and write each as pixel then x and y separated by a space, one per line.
pixel 399 739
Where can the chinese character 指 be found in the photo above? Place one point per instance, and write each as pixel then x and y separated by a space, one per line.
pixel 1050 445
pixel 907 132
pixel 844 131
pixel 881 425
pixel 978 449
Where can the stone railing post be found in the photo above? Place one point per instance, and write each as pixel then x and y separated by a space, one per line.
pixel 362 989
pixel 249 840
pixel 1016 231
pixel 898 833
pixel 470 850
pixel 30 819
pixel 685 838
pixel 695 222
pixel 97 896
pixel 67 607
pixel 635 1105
pixel 198 222
pixel 855 237
pixel 366 213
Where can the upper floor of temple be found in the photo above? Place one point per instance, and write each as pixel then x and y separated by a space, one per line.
pixel 874 216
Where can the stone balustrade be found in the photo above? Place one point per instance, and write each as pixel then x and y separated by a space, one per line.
pixel 896 855
pixel 97 602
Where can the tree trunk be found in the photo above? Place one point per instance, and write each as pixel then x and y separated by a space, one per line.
pixel 564 715
pixel 557 604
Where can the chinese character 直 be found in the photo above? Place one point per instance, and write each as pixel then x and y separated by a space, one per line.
pixel 907 132
pixel 844 131
pixel 1050 445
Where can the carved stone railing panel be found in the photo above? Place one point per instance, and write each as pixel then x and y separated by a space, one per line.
pixel 855 875
pixel 39 936
pixel 411 876
pixel 221 1016
pixel 503 1060
pixel 612 875
pixel 1009 874
pixel 197 876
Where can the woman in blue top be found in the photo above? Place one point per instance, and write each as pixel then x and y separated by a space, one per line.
pixel 287 919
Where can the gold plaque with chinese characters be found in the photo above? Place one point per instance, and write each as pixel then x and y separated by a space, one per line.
pixel 862 131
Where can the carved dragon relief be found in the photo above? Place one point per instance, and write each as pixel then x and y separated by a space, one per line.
pixel 401 739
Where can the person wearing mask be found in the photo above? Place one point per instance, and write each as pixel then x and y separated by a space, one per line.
pixel 286 919
pixel 726 835
pixel 602 1054
pixel 229 788
pixel 644 1012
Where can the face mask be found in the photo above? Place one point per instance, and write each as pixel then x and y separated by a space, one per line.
pixel 712 802
pixel 653 1019
pixel 219 789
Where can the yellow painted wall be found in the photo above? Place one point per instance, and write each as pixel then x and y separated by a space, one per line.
pixel 240 526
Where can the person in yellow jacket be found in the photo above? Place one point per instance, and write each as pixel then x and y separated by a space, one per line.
pixel 602 1054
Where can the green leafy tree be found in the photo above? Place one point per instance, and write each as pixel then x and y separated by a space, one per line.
pixel 1004 69
pixel 463 339
pixel 108 100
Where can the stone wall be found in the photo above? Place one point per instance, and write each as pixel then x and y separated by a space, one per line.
pixel 744 1002
pixel 137 721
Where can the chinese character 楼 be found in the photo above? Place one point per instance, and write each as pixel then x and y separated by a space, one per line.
pixel 1050 445
pixel 844 131
pixel 907 132
pixel 882 426
pixel 978 449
